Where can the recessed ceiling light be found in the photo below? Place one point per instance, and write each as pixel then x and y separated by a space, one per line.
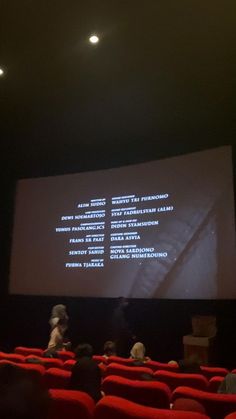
pixel 1 72
pixel 93 39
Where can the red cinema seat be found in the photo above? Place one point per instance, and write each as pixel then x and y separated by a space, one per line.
pixel 217 406
pixel 189 405
pixel 103 369
pixel 133 373
pixel 100 359
pixel 147 393
pixel 155 366
pixel 174 380
pixel 210 372
pixel 214 384
pixel 70 404
pixel 21 350
pixel 6 361
pixel 47 362
pixel 231 416
pixel 57 378
pixel 12 357
pixel 68 365
pixel 111 407
pixel 65 355
pixel 120 360
pixel 39 369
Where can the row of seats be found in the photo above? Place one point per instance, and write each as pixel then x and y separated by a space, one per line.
pixel 75 404
pixel 208 372
pixel 66 403
pixel 146 393
pixel 151 392
pixel 172 379
pixel 66 361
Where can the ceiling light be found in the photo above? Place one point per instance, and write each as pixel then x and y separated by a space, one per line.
pixel 1 72
pixel 93 39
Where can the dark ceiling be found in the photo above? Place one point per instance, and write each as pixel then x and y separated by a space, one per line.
pixel 162 81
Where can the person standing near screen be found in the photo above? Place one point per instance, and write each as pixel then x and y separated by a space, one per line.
pixel 121 332
pixel 59 324
pixel 59 314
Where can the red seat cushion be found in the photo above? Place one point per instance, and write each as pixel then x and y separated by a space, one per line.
pixel 147 393
pixel 111 407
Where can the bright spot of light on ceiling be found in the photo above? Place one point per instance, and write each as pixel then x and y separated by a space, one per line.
pixel 93 39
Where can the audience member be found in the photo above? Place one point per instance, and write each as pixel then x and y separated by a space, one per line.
pixel 22 394
pixel 59 314
pixel 138 353
pixel 56 341
pixel 59 324
pixel 109 349
pixel 86 374
pixel 228 385
pixel 173 363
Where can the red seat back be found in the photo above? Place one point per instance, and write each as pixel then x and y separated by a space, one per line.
pixel 210 372
pixel 100 359
pixel 155 366
pixel 217 406
pixel 133 373
pixel 21 350
pixel 231 416
pixel 68 365
pixel 120 360
pixel 111 407
pixel 39 369
pixel 174 380
pixel 103 369
pixel 12 357
pixel 70 404
pixel 65 355
pixel 57 378
pixel 188 405
pixel 48 362
pixel 147 393
pixel 214 384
